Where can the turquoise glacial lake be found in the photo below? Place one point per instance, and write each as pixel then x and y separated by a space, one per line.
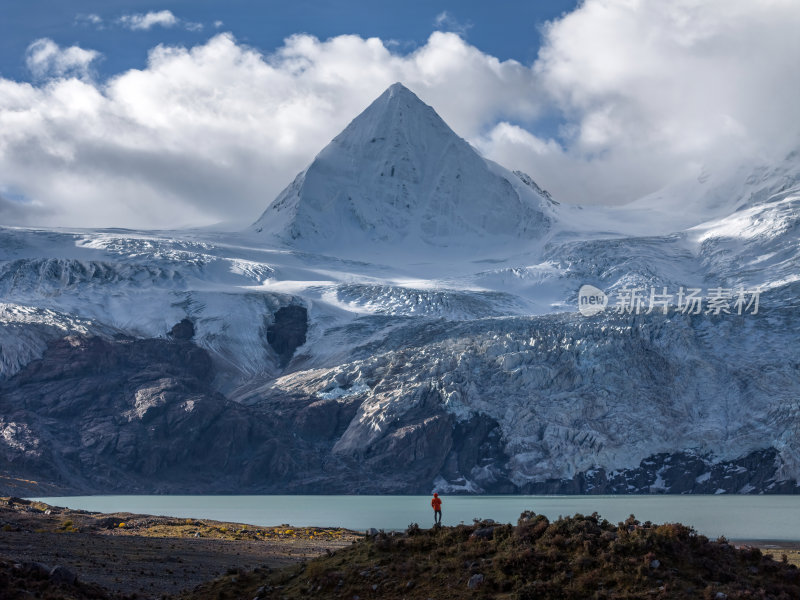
pixel 743 518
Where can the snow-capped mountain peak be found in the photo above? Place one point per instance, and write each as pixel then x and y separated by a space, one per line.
pixel 452 352
pixel 397 175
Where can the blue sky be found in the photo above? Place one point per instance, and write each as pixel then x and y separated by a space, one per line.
pixel 505 29
pixel 191 112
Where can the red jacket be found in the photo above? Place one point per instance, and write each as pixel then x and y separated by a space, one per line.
pixel 436 503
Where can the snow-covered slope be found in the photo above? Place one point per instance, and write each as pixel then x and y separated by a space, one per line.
pixel 398 179
pixel 409 311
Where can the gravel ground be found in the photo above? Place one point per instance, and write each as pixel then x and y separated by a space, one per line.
pixel 151 556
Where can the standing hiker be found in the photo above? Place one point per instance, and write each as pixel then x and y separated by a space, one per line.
pixel 436 503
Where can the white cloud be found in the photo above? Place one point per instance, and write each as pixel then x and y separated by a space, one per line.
pixel 651 91
pixel 444 21
pixel 44 58
pixel 646 93
pixel 143 22
pixel 90 19
pixel 162 18
pixel 216 131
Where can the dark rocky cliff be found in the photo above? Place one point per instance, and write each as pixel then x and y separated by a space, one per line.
pixel 138 416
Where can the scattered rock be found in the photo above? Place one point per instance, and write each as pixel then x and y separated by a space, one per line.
pixel 485 533
pixel 475 581
pixel 61 574
pixel 108 523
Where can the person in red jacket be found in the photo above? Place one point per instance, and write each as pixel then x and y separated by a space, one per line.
pixel 436 503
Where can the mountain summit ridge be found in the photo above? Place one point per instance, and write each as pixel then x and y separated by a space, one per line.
pixel 399 175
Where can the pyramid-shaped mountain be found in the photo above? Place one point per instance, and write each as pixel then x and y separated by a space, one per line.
pixel 398 176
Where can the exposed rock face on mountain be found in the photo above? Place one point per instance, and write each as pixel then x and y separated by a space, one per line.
pixel 288 332
pixel 137 416
pixel 405 317
pixel 133 415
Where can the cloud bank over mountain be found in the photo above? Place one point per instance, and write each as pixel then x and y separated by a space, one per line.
pixel 632 96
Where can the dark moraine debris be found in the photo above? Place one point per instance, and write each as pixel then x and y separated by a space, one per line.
pixel 184 330
pixel 288 331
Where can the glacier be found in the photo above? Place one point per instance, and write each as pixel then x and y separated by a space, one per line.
pixel 434 339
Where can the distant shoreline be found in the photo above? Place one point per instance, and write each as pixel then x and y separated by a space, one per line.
pixel 739 517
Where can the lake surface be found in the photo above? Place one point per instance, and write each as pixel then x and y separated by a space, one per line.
pixel 736 517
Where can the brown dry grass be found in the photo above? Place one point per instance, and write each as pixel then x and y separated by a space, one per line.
pixel 580 557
